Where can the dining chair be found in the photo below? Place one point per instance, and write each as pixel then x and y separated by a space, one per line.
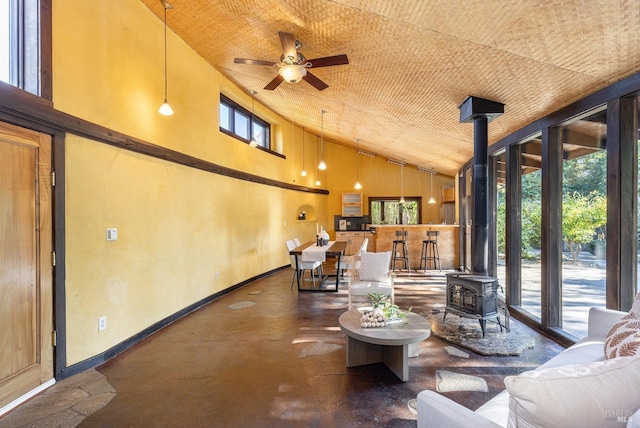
pixel 297 242
pixel 302 266
pixel 372 276
pixel 350 262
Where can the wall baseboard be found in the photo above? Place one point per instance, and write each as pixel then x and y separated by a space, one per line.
pixel 139 337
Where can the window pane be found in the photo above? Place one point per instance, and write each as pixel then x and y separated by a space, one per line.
pixel 501 212
pixel 4 41
pixel 389 211
pixel 637 289
pixel 225 117
pixel 259 134
pixel 241 125
pixel 530 265
pixel 584 219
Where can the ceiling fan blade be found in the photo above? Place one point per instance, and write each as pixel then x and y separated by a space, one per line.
pixel 288 44
pixel 329 61
pixel 315 82
pixel 253 61
pixel 274 83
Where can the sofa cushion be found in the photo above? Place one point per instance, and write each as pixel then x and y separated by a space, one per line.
pixel 587 350
pixel 374 266
pixel 594 394
pixel 496 409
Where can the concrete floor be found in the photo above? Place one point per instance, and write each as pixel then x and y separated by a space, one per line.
pixel 268 356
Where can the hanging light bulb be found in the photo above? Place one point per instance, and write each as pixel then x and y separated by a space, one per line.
pixel 253 142
pixel 165 108
pixel 317 167
pixel 358 186
pixel 431 200
pixel 322 166
pixel 304 172
pixel 402 183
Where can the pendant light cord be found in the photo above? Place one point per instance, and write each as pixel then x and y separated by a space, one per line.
pixel 165 54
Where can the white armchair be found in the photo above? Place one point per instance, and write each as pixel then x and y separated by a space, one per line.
pixel 372 276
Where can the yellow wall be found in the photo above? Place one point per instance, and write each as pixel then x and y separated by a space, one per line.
pixel 178 227
pixel 379 178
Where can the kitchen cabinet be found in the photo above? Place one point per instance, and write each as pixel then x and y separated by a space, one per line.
pixel 449 194
pixel 352 205
pixel 353 240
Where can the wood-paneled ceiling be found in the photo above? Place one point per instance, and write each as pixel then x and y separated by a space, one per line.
pixel 413 62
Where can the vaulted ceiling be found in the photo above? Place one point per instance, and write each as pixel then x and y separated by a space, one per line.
pixel 412 63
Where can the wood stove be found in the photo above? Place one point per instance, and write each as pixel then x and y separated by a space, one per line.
pixel 473 296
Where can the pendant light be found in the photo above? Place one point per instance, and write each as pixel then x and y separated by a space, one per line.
pixel 304 172
pixel 402 182
pixel 165 108
pixel 431 200
pixel 317 167
pixel 322 165
pixel 358 186
pixel 253 142
pixel 431 172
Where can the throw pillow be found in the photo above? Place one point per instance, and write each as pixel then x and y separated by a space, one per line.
pixel 585 395
pixel 374 266
pixel 636 305
pixel 623 340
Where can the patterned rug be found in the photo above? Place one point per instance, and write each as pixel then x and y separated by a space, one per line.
pixel 467 333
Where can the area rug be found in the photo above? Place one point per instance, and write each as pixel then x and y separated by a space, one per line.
pixel 466 332
pixel 447 381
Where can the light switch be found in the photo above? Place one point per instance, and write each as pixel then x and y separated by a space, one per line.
pixel 112 234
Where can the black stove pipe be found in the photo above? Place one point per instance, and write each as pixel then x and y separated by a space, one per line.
pixel 480 111
pixel 480 230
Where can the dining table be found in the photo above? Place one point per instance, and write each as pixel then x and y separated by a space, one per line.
pixel 311 251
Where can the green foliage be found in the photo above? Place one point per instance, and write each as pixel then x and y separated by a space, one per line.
pixel 393 212
pixel 581 216
pixel 584 206
pixel 389 310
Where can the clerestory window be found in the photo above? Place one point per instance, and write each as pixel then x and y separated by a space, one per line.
pixel 242 124
pixel 25 45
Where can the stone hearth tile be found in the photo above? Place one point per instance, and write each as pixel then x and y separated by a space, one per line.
pixel 97 387
pixel 93 404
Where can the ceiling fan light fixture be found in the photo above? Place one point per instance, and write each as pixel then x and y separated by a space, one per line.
pixel 292 73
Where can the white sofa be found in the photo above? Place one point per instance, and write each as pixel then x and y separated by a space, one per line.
pixel 564 386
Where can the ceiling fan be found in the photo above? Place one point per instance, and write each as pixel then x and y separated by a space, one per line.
pixel 293 66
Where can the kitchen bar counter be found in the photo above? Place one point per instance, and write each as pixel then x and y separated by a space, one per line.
pixel 448 241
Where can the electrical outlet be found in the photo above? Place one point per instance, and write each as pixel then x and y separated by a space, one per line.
pixel 217 275
pixel 102 323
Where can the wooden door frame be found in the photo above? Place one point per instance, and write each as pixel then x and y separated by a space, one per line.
pixel 58 232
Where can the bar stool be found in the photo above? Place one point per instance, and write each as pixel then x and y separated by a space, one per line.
pixel 400 250
pixel 430 253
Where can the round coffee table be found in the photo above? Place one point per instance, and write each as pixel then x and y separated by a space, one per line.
pixel 391 345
